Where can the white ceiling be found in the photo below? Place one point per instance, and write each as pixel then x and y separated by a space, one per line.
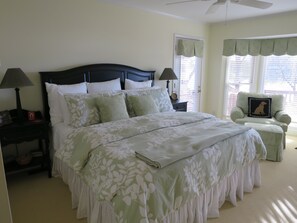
pixel 196 10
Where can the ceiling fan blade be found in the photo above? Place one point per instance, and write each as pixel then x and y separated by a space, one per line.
pixel 253 3
pixel 215 6
pixel 180 2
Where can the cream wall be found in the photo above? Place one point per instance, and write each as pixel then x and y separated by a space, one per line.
pixel 281 24
pixel 40 35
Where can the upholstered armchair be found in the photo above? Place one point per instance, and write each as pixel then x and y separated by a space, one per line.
pixel 240 114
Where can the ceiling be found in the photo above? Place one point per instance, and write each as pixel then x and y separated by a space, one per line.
pixel 196 10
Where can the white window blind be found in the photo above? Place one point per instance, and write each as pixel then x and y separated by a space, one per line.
pixel 189 81
pixel 280 77
pixel 239 77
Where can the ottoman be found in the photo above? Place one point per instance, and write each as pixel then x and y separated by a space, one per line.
pixel 272 137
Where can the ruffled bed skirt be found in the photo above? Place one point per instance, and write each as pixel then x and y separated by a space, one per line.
pixel 196 210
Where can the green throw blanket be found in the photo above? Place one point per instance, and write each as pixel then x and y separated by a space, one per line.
pixel 190 144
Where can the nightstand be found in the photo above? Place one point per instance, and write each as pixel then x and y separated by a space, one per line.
pixel 179 105
pixel 16 133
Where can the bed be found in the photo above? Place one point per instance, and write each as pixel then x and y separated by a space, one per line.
pixel 127 156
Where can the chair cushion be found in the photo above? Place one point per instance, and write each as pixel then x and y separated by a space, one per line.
pixel 271 121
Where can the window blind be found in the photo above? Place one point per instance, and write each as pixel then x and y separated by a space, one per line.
pixel 280 77
pixel 239 77
pixel 189 81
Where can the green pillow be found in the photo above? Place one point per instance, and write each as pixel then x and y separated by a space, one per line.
pixel 143 104
pixel 82 110
pixel 112 108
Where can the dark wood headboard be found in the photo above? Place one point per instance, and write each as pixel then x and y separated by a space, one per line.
pixel 91 73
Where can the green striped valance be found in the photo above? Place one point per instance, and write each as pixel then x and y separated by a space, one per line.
pixel 189 48
pixel 264 47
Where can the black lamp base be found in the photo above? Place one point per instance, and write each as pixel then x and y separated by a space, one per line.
pixel 167 86
pixel 20 116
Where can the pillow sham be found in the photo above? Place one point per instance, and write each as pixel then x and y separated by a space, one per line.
pixel 112 108
pixel 159 95
pixel 129 84
pixel 143 104
pixel 55 101
pixel 259 107
pixel 81 110
pixel 105 86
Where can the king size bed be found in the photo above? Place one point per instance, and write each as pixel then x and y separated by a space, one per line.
pixel 127 156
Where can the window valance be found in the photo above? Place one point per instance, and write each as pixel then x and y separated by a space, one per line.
pixel 263 47
pixel 189 48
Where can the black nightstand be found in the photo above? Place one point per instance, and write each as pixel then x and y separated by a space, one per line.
pixel 179 105
pixel 16 133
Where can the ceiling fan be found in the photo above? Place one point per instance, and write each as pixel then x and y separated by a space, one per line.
pixel 215 6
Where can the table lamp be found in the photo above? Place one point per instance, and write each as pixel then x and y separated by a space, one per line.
pixel 16 78
pixel 168 74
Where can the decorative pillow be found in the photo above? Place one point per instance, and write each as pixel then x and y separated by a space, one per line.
pixel 129 84
pixel 112 108
pixel 105 86
pixel 242 99
pixel 159 95
pixel 259 107
pixel 54 91
pixel 143 104
pixel 81 109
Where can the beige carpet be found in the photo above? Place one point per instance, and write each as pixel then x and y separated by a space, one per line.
pixel 37 199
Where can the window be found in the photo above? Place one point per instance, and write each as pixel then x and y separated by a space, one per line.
pixel 239 77
pixel 269 75
pixel 188 71
pixel 188 82
pixel 280 77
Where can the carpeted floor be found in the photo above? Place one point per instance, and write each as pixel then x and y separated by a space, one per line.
pixel 37 199
pixel 276 200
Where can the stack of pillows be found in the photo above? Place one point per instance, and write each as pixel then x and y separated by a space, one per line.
pixel 84 104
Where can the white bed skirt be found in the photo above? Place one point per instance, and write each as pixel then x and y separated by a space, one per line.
pixel 196 210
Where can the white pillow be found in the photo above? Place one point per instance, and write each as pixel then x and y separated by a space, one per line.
pixel 105 86
pixel 129 84
pixel 56 98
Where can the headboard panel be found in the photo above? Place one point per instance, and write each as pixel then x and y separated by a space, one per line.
pixel 91 73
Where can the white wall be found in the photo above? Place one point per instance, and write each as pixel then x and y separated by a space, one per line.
pixel 40 35
pixel 281 24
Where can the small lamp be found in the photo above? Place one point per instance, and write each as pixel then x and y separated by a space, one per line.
pixel 15 78
pixel 168 74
